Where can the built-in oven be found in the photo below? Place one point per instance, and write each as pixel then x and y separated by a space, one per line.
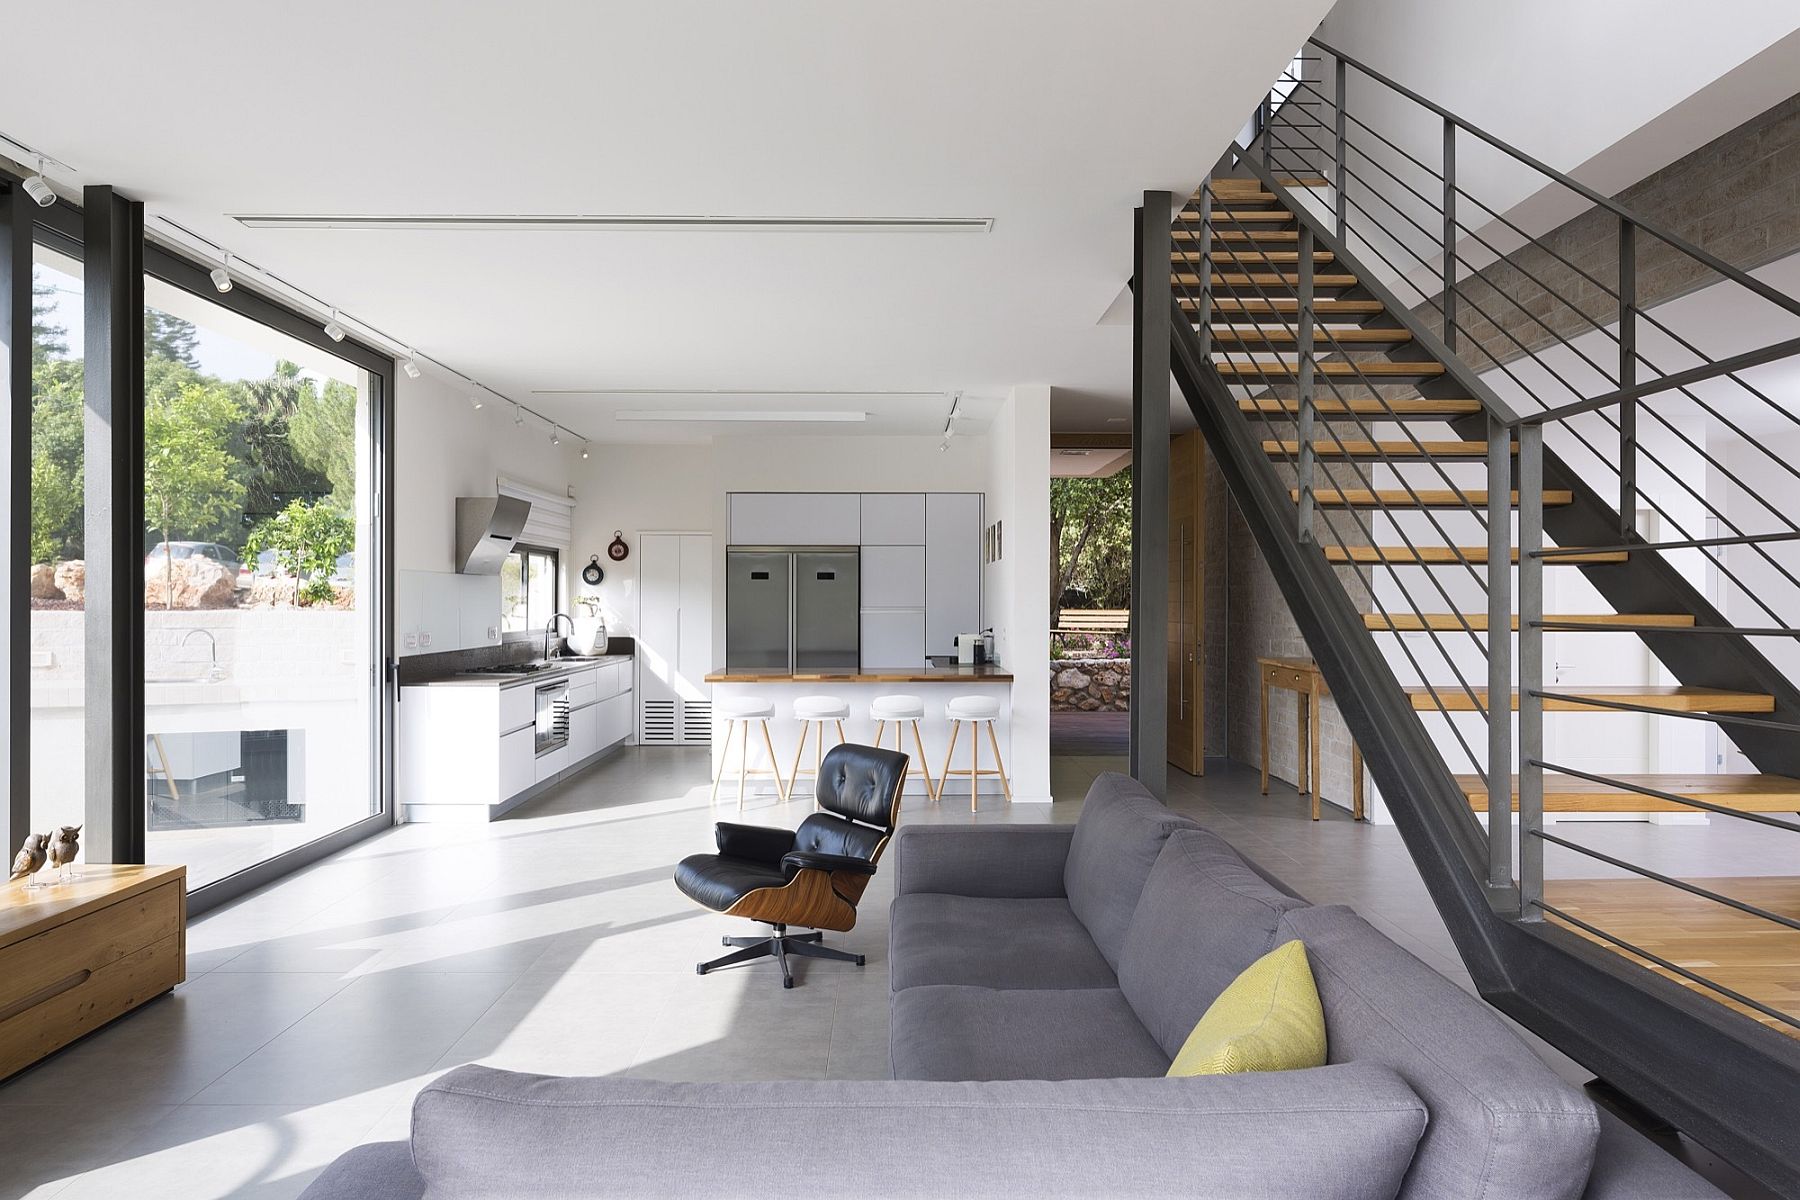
pixel 552 717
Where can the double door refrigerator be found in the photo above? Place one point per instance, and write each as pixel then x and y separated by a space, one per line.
pixel 791 608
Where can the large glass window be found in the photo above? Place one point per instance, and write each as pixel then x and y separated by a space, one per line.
pixel 58 553
pixel 528 581
pixel 260 614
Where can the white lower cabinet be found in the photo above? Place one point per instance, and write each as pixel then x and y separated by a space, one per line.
pixel 550 763
pixel 584 732
pixel 518 762
pixel 614 719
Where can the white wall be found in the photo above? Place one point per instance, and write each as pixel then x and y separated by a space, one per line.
pixel 1016 590
pixel 446 449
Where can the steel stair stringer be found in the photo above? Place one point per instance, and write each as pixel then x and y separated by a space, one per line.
pixel 1699 1065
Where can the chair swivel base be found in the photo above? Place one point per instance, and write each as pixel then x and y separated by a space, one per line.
pixel 778 946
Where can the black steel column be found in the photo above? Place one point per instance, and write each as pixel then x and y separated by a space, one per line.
pixel 113 346
pixel 1152 298
pixel 16 210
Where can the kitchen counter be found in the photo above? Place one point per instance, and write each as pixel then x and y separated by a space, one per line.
pixel 988 673
pixel 567 666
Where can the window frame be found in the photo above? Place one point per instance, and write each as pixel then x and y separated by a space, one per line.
pixel 523 551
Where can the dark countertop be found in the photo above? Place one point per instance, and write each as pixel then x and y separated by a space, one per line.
pixel 989 673
pixel 569 666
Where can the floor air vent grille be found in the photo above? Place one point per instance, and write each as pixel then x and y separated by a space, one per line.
pixel 696 722
pixel 659 723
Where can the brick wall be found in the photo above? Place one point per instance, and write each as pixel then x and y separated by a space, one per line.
pixel 1737 197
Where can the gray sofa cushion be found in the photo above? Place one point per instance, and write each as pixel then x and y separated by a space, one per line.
pixel 1503 1125
pixel 981 1033
pixel 983 942
pixel 1340 1133
pixel 1204 916
pixel 1017 861
pixel 1121 831
pixel 377 1171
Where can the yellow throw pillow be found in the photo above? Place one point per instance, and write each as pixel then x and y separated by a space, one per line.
pixel 1269 1019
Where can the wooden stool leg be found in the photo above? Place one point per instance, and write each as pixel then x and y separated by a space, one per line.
pixel 1356 784
pixel 880 731
pixel 999 763
pixel 724 755
pixel 818 760
pixel 974 766
pixel 1265 735
pixel 944 775
pixel 931 789
pixel 774 763
pixel 794 775
pixel 840 729
pixel 743 763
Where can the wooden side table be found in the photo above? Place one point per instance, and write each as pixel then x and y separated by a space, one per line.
pixel 1302 677
pixel 75 955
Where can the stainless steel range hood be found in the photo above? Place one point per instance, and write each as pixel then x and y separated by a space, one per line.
pixel 486 528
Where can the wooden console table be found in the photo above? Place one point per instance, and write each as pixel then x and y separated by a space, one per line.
pixel 75 955
pixel 1302 676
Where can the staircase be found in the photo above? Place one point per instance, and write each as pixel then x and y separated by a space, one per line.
pixel 1386 478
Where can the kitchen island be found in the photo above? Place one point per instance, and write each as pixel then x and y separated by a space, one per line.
pixel 935 685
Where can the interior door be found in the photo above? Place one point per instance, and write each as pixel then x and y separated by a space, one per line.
pixel 1187 709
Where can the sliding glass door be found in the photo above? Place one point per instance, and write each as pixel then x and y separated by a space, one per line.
pixel 260 595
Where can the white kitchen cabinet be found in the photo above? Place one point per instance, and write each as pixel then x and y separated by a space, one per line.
pixel 893 577
pixel 614 719
pixel 675 632
pixel 952 568
pixel 893 518
pixel 550 763
pixel 584 733
pixel 518 762
pixel 893 640
pixel 796 519
pixel 518 706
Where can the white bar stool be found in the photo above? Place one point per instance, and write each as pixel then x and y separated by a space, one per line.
pixel 975 711
pixel 739 715
pixel 812 712
pixel 901 710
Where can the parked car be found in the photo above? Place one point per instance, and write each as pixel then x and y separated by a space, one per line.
pixel 156 561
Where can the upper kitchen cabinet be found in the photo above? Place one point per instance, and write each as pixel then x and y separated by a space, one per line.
pixel 952 568
pixel 796 519
pixel 893 518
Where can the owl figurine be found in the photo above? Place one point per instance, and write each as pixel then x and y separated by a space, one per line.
pixel 31 857
pixel 65 844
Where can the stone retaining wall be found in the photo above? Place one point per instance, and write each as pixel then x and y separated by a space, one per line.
pixel 1090 685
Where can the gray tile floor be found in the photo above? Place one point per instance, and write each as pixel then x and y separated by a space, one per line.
pixel 552 941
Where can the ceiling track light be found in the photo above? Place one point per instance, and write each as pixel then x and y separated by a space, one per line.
pixel 221 275
pixel 518 416
pixel 410 365
pixel 39 189
pixel 584 449
pixel 475 400
pixel 333 330
pixel 555 436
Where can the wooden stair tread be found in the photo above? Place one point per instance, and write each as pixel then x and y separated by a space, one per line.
pixel 1441 555
pixel 1372 370
pixel 1365 449
pixel 1285 304
pixel 1264 279
pixel 1262 336
pixel 1426 498
pixel 1440 622
pixel 1236 235
pixel 1256 258
pixel 1668 698
pixel 1570 793
pixel 1233 214
pixel 1364 406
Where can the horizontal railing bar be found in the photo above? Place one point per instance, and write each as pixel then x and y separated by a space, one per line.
pixel 1628 627
pixel 1659 877
pixel 1659 960
pixel 1671 797
pixel 1773 295
pixel 1717 718
pixel 1724 366
pixel 1746 539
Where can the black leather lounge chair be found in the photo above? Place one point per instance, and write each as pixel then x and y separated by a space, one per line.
pixel 811 876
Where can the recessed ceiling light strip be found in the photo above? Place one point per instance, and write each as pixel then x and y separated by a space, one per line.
pixel 744 416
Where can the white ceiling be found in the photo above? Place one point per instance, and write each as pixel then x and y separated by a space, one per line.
pixel 1050 118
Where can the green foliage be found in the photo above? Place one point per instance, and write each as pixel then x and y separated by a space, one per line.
pixel 56 458
pixel 323 431
pixel 275 473
pixel 190 474
pixel 1090 532
pixel 48 341
pixel 170 339
pixel 307 539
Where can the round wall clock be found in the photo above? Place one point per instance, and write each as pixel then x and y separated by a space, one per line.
pixel 593 573
pixel 618 550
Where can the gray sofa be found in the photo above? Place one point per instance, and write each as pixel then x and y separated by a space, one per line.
pixel 1043 976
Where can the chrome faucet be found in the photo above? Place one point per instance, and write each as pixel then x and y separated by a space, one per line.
pixel 550 627
pixel 215 672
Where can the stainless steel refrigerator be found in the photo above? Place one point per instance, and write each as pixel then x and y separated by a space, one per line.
pixel 792 608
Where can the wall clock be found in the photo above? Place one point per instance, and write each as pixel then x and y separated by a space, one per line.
pixel 593 573
pixel 618 550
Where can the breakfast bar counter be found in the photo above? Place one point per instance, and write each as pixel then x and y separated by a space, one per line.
pixel 934 685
